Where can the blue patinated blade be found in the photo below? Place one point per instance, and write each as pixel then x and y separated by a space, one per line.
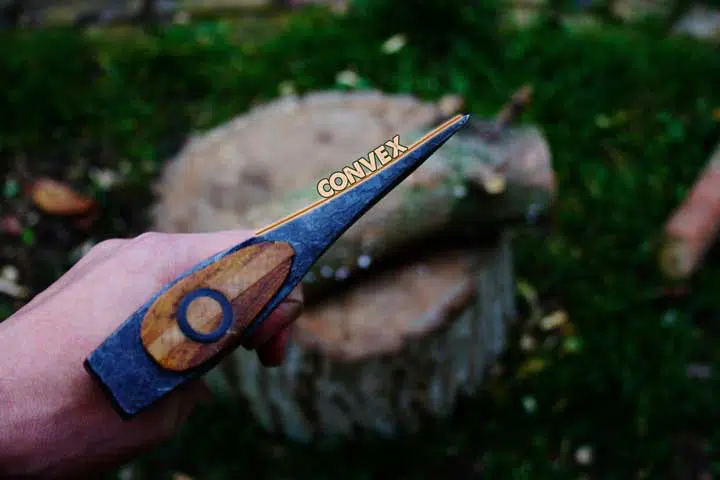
pixel 314 231
pixel 130 376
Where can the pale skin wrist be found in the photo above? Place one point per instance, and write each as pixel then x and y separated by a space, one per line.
pixel 51 406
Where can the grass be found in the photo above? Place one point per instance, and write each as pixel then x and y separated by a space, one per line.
pixel 629 116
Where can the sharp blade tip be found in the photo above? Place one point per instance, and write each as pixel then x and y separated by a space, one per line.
pixel 453 128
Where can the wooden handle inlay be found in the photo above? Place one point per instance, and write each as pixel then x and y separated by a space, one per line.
pixel 229 293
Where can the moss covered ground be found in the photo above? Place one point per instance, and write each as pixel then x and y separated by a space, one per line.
pixel 631 116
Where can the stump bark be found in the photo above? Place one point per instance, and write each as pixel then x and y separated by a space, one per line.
pixel 408 308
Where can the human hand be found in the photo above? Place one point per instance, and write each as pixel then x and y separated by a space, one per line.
pixel 55 421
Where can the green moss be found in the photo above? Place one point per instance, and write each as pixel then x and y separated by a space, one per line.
pixel 629 118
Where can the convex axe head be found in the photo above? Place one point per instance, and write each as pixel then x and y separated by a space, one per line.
pixel 196 320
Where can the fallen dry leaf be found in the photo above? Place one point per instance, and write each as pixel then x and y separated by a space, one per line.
pixel 527 343
pixel 57 198
pixel 486 177
pixel 393 44
pixel 554 320
pixel 531 366
pixel 495 184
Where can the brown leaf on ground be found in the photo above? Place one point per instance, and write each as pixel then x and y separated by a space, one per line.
pixel 56 198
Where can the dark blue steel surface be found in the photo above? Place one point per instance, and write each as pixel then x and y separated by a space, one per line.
pixel 133 379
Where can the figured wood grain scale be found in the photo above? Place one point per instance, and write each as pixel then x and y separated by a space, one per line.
pixel 248 278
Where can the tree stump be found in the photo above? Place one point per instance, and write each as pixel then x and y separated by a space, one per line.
pixel 407 309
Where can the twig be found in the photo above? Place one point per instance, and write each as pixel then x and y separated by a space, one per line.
pixel 514 107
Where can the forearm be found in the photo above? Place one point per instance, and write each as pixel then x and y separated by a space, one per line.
pixel 24 422
pixel 50 416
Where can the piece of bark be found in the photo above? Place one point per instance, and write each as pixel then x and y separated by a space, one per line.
pixel 691 229
pixel 240 174
pixel 386 354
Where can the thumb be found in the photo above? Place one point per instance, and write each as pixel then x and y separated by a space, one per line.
pixel 139 268
pixel 164 256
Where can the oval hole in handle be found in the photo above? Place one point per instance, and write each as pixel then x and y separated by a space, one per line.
pixel 242 283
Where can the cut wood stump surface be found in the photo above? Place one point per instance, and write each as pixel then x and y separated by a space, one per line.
pixel 409 307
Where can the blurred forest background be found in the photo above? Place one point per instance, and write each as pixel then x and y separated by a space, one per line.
pixel 630 109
